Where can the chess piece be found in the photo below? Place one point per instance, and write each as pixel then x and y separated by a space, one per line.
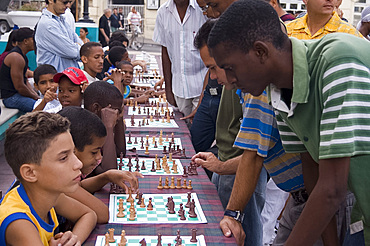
pixel 166 138
pixel 189 186
pixel 175 168
pixel 151 118
pixel 150 205
pixel 159 240
pixel 143 242
pixel 142 205
pixel 184 185
pixel 135 142
pixel 192 213
pixel 160 187
pixel 137 166
pixel 166 184
pixel 178 186
pixel 162 119
pixel 143 166
pixel 123 240
pixel 195 172
pixel 146 150
pixel 185 173
pixel 132 215
pixel 193 236
pixel 129 161
pixel 111 235
pixel 153 167
pixel 182 212
pixel 179 242
pixel 142 139
pixel 155 144
pixel 139 197
pixel 139 123
pixel 170 156
pixel 158 166
pixel 172 186
pixel 172 138
pixel 187 205
pixel 171 206
pixel 106 239
pixel 142 145
pixel 130 199
pixel 120 209
pixel 129 138
pixel 164 150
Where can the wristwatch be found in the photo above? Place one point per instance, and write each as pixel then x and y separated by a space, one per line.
pixel 237 215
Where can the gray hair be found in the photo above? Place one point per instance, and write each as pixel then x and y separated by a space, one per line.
pixel 107 11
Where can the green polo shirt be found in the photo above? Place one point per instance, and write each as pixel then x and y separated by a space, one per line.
pixel 329 115
pixel 228 122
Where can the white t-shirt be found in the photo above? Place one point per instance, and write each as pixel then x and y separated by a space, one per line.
pixel 51 107
pixel 90 78
pixel 135 18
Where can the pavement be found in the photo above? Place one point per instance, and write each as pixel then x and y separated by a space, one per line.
pixel 149 46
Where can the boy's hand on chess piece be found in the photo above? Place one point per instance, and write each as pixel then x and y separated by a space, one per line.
pixel 116 75
pixel 230 226
pixel 119 177
pixel 64 239
pixel 50 94
pixel 109 116
pixel 141 63
pixel 159 84
pixel 207 160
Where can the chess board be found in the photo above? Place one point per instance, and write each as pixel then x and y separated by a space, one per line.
pixel 151 143
pixel 156 99
pixel 159 214
pixel 151 110
pixel 152 124
pixel 152 240
pixel 148 166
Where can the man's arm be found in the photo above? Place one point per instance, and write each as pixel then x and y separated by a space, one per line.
pixel 212 163
pixel 84 218
pixel 167 73
pixel 324 200
pixel 16 64
pixel 247 175
pixel 119 137
pixel 105 35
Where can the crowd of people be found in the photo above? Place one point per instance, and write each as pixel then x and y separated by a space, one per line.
pixel 277 107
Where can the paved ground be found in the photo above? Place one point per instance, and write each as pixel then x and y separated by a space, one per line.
pixel 149 47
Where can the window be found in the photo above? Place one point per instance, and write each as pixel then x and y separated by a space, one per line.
pixel 293 6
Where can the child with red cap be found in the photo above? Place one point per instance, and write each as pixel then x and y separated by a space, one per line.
pixel 72 83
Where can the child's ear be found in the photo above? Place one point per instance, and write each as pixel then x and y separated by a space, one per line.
pixel 28 173
pixel 96 108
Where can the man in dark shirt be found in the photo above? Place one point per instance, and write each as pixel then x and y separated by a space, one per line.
pixel 114 21
pixel 104 27
pixel 16 92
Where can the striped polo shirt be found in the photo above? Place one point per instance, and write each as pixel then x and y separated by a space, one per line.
pixel 258 132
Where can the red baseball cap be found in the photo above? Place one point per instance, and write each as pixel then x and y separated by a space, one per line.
pixel 74 74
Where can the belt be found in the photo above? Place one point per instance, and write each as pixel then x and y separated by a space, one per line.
pixel 300 196
pixel 214 91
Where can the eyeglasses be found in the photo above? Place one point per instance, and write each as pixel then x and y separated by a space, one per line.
pixel 66 2
pixel 204 8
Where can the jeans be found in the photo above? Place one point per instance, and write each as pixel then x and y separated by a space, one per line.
pixel 24 104
pixel 252 224
pixel 356 239
pixel 203 128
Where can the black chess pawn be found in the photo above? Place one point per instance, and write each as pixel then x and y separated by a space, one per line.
pixel 142 139
pixel 155 144
pixel 164 150
pixel 153 167
pixel 129 161
pixel 143 166
pixel 187 205
pixel 185 172
pixel 129 138
pixel 135 142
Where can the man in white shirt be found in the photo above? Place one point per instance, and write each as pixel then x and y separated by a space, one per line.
pixel 176 25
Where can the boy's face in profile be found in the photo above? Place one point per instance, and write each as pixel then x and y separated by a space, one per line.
pixel 69 93
pixel 91 155
pixel 45 83
pixel 59 166
pixel 94 61
pixel 129 74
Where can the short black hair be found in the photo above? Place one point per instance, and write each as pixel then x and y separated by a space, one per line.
pixel 116 53
pixel 41 70
pixel 119 36
pixel 101 92
pixel 85 29
pixel 244 23
pixel 85 49
pixel 115 43
pixel 201 38
pixel 121 63
pixel 23 33
pixel 85 125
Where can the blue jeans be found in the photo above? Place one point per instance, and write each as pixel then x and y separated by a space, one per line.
pixel 356 239
pixel 24 104
pixel 252 224
pixel 203 128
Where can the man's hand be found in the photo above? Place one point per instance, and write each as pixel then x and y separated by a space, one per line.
pixel 159 84
pixel 116 75
pixel 50 95
pixel 190 116
pixel 207 160
pixel 230 226
pixel 106 39
pixel 109 116
pixel 66 239
pixel 119 177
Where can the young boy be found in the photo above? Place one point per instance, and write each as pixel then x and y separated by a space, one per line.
pixel 89 135
pixel 105 100
pixel 28 212
pixel 72 83
pixel 92 56
pixel 44 83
